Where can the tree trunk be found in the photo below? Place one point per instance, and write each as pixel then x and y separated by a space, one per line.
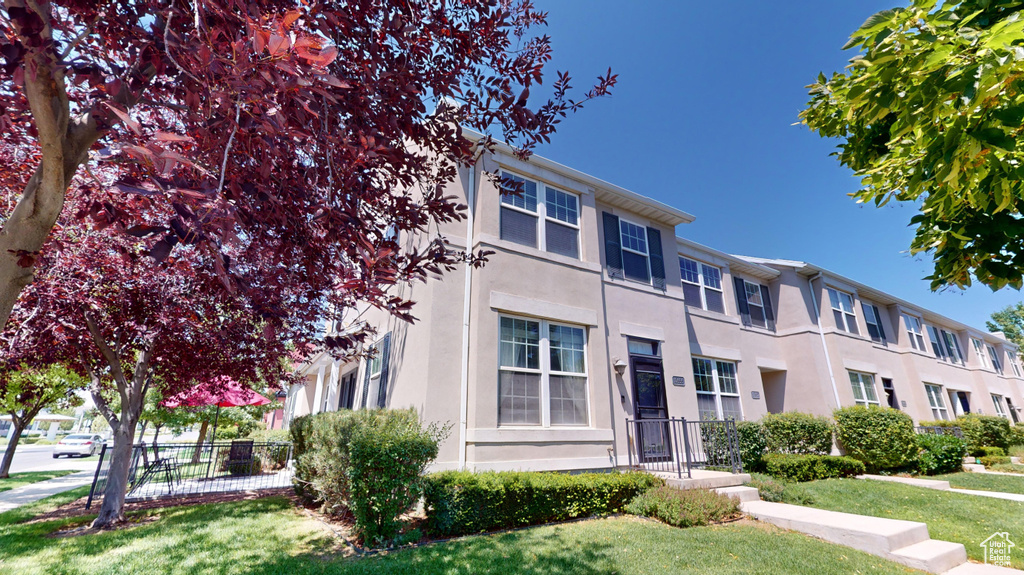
pixel 156 435
pixel 5 466
pixel 112 508
pixel 199 444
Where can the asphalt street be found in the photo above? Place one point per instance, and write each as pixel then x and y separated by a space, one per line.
pixel 40 458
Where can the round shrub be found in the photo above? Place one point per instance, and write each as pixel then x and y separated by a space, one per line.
pixel 882 438
pixel 985 431
pixel 684 507
pixel 752 444
pixel 940 453
pixel 990 460
pixel 795 432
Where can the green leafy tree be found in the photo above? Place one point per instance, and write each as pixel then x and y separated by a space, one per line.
pixel 1010 321
pixel 26 392
pixel 931 112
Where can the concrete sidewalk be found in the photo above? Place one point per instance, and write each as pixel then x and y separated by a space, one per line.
pixel 36 491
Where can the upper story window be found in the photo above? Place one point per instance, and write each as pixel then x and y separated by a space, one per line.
pixel 995 359
pixel 863 385
pixel 842 309
pixel 754 303
pixel 1015 366
pixel 702 285
pixel 718 394
pixel 938 348
pixel 938 406
pixel 915 332
pixel 542 377
pixel 874 322
pixel 540 216
pixel 633 251
pixel 979 350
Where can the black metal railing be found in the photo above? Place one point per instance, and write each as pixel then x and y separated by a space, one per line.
pixel 185 469
pixel 940 430
pixel 675 445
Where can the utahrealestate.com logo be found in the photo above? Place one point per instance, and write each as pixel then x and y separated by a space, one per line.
pixel 997 549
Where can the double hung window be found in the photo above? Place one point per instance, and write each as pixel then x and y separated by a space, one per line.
pixel 718 394
pixel 997 401
pixel 842 310
pixel 702 285
pixel 755 304
pixel 914 332
pixel 995 359
pixel 863 385
pixel 635 257
pixel 539 216
pixel 979 350
pixel 543 373
pixel 874 322
pixel 938 406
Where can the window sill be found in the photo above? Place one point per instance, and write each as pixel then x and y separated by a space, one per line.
pixel 566 434
pixel 495 242
pixel 640 286
pixel 713 315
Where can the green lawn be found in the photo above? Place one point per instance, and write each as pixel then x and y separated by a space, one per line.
pixel 985 482
pixel 23 479
pixel 950 516
pixel 269 536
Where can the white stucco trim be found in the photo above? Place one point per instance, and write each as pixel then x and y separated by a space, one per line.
pixel 641 331
pixel 540 435
pixel 542 309
pixel 712 315
pixel 862 366
pixel 771 364
pixel 545 464
pixel 715 351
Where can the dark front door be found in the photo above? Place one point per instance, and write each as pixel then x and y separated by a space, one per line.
pixel 890 393
pixel 653 440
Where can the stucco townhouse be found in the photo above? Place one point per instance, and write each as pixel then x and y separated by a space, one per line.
pixel 591 311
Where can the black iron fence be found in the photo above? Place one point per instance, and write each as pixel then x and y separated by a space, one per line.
pixel 939 430
pixel 675 445
pixel 184 469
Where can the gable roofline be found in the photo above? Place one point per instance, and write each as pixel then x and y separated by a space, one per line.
pixel 877 296
pixel 605 192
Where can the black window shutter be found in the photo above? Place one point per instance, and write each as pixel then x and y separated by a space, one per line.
pixel 612 245
pixel 657 260
pixel 878 318
pixel 769 314
pixel 741 300
pixel 366 382
pixel 385 351
pixel 873 329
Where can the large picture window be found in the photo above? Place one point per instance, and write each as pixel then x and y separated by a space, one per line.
pixel 718 394
pixel 540 216
pixel 702 285
pixel 863 385
pixel 543 373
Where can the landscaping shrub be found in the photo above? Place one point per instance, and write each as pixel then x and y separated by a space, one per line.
pixel 768 487
pixel 226 432
pixel 990 460
pixel 984 431
pixel 253 466
pixel 992 452
pixel 795 467
pixel 940 453
pixel 795 432
pixel 882 438
pixel 462 502
pixel 752 445
pixel 269 435
pixel 368 461
pixel 684 507
pixel 1017 435
pixel 1007 468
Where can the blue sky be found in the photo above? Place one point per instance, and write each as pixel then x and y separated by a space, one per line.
pixel 702 119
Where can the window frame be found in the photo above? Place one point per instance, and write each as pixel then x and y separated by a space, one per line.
pixel 1013 363
pixel 702 286
pixel 935 393
pixel 938 345
pixel 645 254
pixel 860 375
pixel 877 323
pixel 998 400
pixel 994 356
pixel 849 317
pixel 541 213
pixel 916 336
pixel 952 341
pixel 980 351
pixel 716 383
pixel 545 372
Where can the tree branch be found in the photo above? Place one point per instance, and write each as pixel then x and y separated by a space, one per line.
pixel 113 360
pixel 227 148
pixel 167 48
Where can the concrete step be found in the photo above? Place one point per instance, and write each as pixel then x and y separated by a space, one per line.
pixel 926 483
pixel 982 569
pixel 870 534
pixel 931 556
pixel 974 467
pixel 706 480
pixel 741 493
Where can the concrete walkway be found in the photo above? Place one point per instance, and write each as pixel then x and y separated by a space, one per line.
pixel 943 486
pixel 36 491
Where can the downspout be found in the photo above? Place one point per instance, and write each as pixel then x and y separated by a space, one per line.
pixel 464 383
pixel 821 334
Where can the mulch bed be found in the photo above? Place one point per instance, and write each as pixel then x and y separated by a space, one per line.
pixel 77 508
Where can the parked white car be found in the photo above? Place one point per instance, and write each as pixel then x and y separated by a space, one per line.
pixel 78 444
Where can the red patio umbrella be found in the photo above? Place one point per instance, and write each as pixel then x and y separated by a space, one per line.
pixel 221 391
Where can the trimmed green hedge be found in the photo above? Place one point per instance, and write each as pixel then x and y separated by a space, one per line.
pixel 462 502
pixel 795 432
pixel 990 460
pixel 753 445
pixel 985 431
pixel 684 507
pixel 795 467
pixel 370 462
pixel 940 453
pixel 992 451
pixel 880 437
